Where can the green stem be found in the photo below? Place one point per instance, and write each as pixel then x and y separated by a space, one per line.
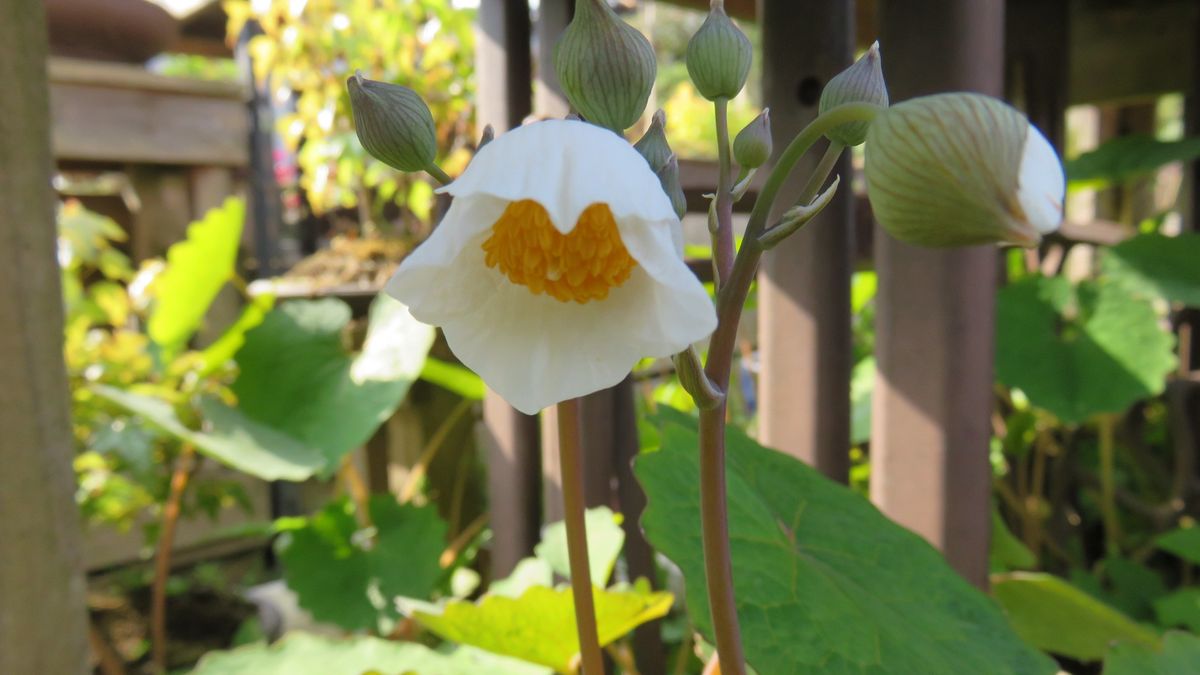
pixel 570 454
pixel 714 512
pixel 437 173
pixel 723 238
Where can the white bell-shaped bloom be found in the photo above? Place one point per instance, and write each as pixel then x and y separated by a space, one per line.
pixel 558 265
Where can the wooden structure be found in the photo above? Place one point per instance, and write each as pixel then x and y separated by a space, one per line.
pixel 42 627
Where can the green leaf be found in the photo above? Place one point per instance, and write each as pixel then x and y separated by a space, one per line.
pixel 455 378
pixel 225 347
pixel 529 572
pixel 232 438
pixel 1007 552
pixel 197 268
pixel 1127 157
pixel 862 385
pixel 1080 351
pixel 605 539
pixel 1135 587
pixel 1181 608
pixel 1158 266
pixel 825 583
pixel 1178 655
pixel 306 654
pixel 1054 615
pixel 1184 542
pixel 349 576
pixel 539 626
pixel 296 375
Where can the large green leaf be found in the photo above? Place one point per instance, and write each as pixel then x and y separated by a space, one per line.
pixel 1179 655
pixel 229 437
pixel 197 268
pixel 1077 351
pixel 306 654
pixel 825 583
pixel 1158 265
pixel 605 539
pixel 1184 542
pixel 297 376
pixel 1054 615
pixel 350 576
pixel 539 626
pixel 1181 608
pixel 1127 157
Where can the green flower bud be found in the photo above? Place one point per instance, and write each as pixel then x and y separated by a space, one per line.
pixel 752 145
pixel 653 144
pixel 393 123
pixel 962 169
pixel 718 56
pixel 668 176
pixel 862 82
pixel 605 66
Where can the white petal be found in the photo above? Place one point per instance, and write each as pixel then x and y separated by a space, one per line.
pixel 565 166
pixel 1042 185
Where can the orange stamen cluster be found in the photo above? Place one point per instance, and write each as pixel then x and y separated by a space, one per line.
pixel 581 266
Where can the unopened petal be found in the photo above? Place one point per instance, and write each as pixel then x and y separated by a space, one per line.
pixel 566 166
pixel 1042 184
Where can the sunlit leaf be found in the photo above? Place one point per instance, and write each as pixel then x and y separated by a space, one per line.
pixel 539 626
pixel 605 539
pixel 1059 618
pixel 824 582
pixel 1128 157
pixel 225 347
pixel 1078 351
pixel 1157 265
pixel 197 268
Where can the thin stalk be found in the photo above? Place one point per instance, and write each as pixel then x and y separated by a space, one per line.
pixel 162 560
pixel 723 238
pixel 821 173
pixel 1108 484
pixel 437 173
pixel 714 517
pixel 110 662
pixel 570 457
pixel 435 443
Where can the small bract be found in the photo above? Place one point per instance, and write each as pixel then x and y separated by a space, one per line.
pixel 558 265
pixel 962 169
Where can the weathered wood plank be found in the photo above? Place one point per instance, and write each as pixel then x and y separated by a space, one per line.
pixel 934 312
pixel 804 284
pixel 42 611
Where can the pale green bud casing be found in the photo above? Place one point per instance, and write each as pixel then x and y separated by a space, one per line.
pixel 752 146
pixel 962 169
pixel 718 56
pixel 862 82
pixel 605 66
pixel 653 144
pixel 393 123
pixel 668 177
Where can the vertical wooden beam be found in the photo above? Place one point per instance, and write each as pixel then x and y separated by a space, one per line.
pixel 503 64
pixel 552 19
pixel 804 284
pixel 1037 40
pixel 935 316
pixel 42 609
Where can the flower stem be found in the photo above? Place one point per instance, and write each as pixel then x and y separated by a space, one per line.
pixel 437 173
pixel 570 457
pixel 723 238
pixel 731 296
pixel 162 560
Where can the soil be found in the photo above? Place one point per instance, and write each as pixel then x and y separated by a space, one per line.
pixel 366 262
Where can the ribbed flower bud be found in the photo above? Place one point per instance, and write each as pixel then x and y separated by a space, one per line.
pixel 605 66
pixel 962 169
pixel 752 145
pixel 719 55
pixel 668 176
pixel 862 82
pixel 393 123
pixel 653 144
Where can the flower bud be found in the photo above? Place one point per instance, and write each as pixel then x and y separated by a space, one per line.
pixel 718 56
pixel 393 123
pixel 752 145
pixel 668 176
pixel 605 66
pixel 862 82
pixel 962 169
pixel 488 135
pixel 653 144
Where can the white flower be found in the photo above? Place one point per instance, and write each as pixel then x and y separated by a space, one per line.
pixel 558 266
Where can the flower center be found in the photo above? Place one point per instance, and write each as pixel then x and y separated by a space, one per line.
pixel 581 266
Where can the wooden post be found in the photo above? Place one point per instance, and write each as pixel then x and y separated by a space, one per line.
pixel 552 19
pixel 503 63
pixel 42 609
pixel 804 284
pixel 935 315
